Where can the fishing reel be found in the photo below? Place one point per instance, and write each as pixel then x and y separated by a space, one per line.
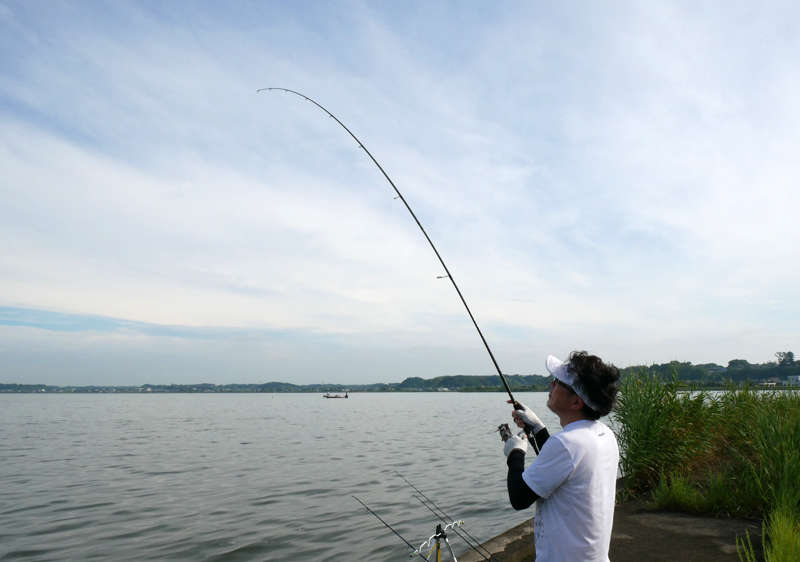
pixel 505 432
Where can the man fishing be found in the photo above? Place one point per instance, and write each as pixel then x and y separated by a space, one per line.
pixel 573 478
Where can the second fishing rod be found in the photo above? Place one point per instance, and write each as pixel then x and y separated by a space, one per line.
pixel 528 429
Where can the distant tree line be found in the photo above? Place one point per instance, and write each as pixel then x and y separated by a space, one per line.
pixel 462 383
pixel 737 371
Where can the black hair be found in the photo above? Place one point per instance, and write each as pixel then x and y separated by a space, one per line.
pixel 600 382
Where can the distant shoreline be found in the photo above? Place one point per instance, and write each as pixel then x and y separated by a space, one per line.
pixel 707 376
pixel 138 390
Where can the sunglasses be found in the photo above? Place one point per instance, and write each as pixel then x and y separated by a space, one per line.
pixel 555 381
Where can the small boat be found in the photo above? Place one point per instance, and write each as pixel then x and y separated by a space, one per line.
pixel 328 395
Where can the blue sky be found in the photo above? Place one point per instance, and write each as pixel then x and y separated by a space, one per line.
pixel 614 177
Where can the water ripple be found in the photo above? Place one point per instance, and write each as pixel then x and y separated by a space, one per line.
pixel 211 477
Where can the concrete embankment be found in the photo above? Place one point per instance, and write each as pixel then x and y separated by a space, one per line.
pixel 640 535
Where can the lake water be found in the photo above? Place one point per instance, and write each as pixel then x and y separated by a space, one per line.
pixel 247 476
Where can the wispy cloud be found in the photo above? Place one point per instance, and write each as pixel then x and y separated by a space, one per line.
pixel 49 320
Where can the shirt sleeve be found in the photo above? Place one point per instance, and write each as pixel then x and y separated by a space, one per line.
pixel 519 494
pixel 550 469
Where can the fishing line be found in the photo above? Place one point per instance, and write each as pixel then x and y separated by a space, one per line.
pixel 414 216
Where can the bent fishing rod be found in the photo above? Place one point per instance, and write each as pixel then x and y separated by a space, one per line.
pixel 419 224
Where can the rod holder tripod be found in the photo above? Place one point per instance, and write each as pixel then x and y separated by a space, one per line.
pixel 435 543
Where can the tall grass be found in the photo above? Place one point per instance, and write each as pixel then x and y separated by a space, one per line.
pixel 730 453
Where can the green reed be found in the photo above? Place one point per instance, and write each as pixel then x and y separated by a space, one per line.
pixel 731 453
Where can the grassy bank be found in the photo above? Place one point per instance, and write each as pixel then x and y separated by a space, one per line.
pixel 734 453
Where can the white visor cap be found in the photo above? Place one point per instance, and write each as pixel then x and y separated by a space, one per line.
pixel 560 370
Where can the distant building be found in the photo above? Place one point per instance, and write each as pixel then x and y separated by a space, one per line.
pixel 793 380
